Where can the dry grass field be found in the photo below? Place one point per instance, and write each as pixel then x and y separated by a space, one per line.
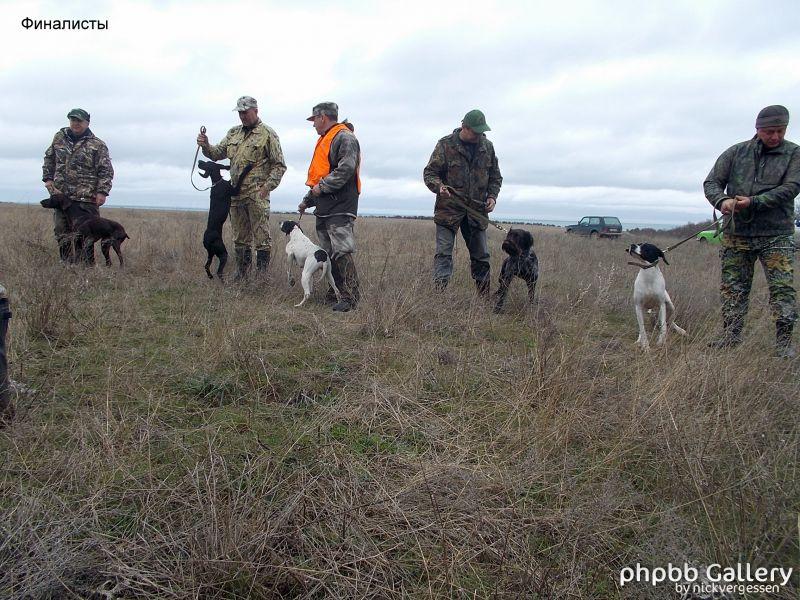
pixel 185 439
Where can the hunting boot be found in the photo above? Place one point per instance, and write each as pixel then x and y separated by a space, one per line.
pixel 731 334
pixel 783 339
pixel 244 258
pixel 5 382
pixel 440 283
pixel 262 261
pixel 350 285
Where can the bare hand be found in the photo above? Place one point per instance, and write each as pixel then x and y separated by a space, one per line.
pixel 742 202
pixel 444 192
pixel 262 193
pixel 490 204
pixel 316 190
pixel 301 208
pixel 100 199
pixel 202 140
pixel 51 188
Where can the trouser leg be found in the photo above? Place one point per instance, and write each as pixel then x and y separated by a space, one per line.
pixel 443 259
pixel 478 247
pixel 5 390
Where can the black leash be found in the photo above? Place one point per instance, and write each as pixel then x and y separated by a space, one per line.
pixel 194 163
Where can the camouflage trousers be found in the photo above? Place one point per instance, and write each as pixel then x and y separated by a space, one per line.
pixel 738 256
pixel 250 223
pixel 336 237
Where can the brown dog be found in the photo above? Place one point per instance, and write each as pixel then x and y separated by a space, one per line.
pixel 89 228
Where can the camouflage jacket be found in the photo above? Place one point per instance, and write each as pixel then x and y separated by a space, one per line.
pixel 770 177
pixel 258 146
pixel 475 180
pixel 80 169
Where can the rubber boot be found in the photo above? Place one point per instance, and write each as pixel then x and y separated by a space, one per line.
pixel 262 261
pixel 244 258
pixel 6 411
pixel 783 339
pixel 349 286
pixel 731 334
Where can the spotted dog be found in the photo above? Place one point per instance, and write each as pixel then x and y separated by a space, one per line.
pixel 650 292
pixel 304 253
pixel 521 262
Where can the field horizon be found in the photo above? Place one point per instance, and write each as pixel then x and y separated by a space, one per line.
pixel 176 437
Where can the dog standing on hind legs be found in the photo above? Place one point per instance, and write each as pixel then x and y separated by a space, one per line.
pixel 304 253
pixel 650 292
pixel 219 207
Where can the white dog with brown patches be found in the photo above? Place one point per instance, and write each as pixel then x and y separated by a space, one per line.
pixel 650 293
pixel 304 253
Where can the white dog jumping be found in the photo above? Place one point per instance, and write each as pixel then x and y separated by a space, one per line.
pixel 650 292
pixel 304 253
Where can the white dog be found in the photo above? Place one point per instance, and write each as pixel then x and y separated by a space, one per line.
pixel 304 253
pixel 650 292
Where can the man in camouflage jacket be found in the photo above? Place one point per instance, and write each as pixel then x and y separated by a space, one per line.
pixel 77 164
pixel 463 171
pixel 756 182
pixel 255 143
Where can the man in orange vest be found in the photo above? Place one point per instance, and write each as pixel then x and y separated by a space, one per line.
pixel 335 186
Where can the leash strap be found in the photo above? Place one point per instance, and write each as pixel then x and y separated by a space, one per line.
pixel 456 196
pixel 194 163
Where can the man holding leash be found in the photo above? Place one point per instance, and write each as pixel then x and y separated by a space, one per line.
pixel 756 183
pixel 464 174
pixel 251 143
pixel 335 188
pixel 77 164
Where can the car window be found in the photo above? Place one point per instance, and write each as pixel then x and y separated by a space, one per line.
pixel 594 221
pixel 584 221
pixel 611 220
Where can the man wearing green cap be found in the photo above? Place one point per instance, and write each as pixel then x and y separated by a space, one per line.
pixel 251 143
pixel 756 183
pixel 77 164
pixel 463 172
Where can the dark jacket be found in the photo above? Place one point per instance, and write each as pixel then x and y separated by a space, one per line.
pixel 340 186
pixel 771 177
pixel 474 179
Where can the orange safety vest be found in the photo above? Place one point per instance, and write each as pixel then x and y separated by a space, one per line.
pixel 320 166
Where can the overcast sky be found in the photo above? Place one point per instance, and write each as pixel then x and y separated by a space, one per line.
pixel 595 107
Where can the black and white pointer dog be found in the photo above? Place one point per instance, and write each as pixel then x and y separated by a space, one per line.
pixel 650 293
pixel 220 205
pixel 521 262
pixel 304 253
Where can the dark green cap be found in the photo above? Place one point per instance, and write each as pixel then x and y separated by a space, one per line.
pixel 475 120
pixel 78 113
pixel 772 116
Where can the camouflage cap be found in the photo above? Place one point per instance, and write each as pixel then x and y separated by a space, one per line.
pixel 245 103
pixel 78 113
pixel 772 116
pixel 475 120
pixel 325 108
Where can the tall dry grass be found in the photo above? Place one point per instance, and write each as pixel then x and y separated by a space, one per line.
pixel 191 440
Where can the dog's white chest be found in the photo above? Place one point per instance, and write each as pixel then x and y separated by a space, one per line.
pixel 649 287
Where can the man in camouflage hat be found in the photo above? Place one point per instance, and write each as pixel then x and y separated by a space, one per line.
pixel 251 143
pixel 463 172
pixel 756 182
pixel 77 164
pixel 335 186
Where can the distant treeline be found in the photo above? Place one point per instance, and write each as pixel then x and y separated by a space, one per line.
pixel 682 231
pixel 430 218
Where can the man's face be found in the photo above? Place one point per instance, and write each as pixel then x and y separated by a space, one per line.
pixel 322 123
pixel 771 137
pixel 78 126
pixel 248 117
pixel 467 134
